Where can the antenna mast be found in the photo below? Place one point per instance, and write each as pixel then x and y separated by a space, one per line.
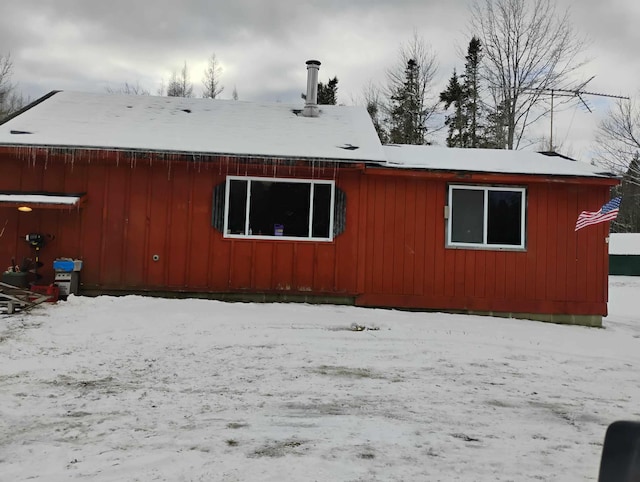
pixel 577 92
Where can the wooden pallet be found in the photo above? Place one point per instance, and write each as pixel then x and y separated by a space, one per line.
pixel 13 298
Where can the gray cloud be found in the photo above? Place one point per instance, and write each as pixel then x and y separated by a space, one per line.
pixel 262 45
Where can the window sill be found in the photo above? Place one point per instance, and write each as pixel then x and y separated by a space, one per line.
pixel 277 238
pixel 486 247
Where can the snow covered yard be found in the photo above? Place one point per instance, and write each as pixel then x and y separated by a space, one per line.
pixel 120 389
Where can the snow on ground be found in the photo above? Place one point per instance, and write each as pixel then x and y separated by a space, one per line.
pixel 141 389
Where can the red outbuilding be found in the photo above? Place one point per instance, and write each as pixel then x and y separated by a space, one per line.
pixel 257 201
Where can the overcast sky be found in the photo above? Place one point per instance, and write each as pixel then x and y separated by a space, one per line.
pixel 262 46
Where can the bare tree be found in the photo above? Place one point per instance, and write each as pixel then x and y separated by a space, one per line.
pixel 128 89
pixel 618 146
pixel 618 136
pixel 528 47
pixel 10 100
pixel 211 79
pixel 372 99
pixel 179 83
pixel 6 71
pixel 416 65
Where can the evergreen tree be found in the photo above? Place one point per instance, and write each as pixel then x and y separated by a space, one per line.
pixel 457 122
pixel 410 101
pixel 472 103
pixel 496 132
pixel 466 124
pixel 328 94
pixel 407 119
pixel 529 46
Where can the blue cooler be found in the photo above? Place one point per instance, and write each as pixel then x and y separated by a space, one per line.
pixel 67 277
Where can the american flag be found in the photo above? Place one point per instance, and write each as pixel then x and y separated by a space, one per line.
pixel 606 213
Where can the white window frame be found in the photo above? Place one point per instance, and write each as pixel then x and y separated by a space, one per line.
pixel 484 244
pixel 249 179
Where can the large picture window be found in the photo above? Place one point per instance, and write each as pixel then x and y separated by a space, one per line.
pixel 282 208
pixel 491 217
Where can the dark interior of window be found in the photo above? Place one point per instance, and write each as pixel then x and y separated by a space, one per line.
pixel 279 209
pixel 467 216
pixel 505 218
pixel 321 210
pixel 237 206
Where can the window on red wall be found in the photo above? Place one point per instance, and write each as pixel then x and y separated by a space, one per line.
pixel 279 208
pixel 486 216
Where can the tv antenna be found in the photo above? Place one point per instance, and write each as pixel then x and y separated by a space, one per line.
pixel 577 92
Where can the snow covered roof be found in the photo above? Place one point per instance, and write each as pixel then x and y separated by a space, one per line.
pixel 39 199
pixel 175 124
pixel 624 243
pixel 487 160
pixel 228 127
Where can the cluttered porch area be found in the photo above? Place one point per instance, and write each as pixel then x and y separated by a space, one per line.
pixel 14 299
pixel 23 287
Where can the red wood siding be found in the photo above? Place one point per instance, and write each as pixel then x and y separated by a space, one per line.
pixel 392 253
pixel 138 208
pixel 560 271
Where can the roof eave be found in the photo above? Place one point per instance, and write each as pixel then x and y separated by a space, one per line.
pixel 184 153
pixel 481 176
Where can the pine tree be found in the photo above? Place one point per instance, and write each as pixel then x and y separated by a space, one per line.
pixel 467 123
pixel 407 119
pixel 496 132
pixel 328 94
pixel 530 46
pixel 457 122
pixel 410 101
pixel 472 103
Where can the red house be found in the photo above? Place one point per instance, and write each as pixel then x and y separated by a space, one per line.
pixel 239 200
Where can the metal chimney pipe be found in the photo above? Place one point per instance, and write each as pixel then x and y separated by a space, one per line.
pixel 311 100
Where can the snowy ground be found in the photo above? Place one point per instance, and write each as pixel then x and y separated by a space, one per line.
pixel 120 389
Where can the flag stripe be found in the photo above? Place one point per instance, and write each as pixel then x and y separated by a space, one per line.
pixel 607 212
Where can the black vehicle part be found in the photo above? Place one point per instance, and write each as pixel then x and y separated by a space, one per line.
pixel 620 460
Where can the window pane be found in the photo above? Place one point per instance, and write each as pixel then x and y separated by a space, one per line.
pixel 467 213
pixel 321 210
pixel 237 206
pixel 279 209
pixel 505 218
